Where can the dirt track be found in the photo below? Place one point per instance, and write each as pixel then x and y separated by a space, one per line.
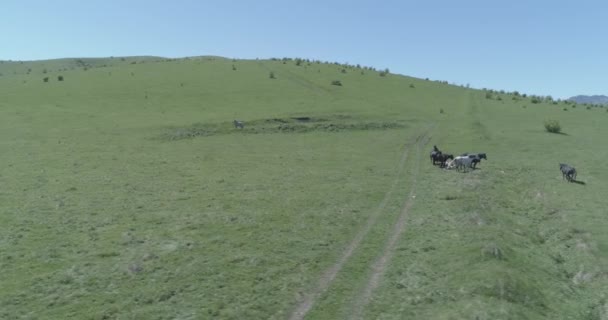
pixel 379 267
pixel 327 277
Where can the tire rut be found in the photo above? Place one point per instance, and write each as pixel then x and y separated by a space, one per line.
pixel 379 267
pixel 309 299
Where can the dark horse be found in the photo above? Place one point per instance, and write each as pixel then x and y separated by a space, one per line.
pixel 443 158
pixel 568 172
pixel 434 154
pixel 238 124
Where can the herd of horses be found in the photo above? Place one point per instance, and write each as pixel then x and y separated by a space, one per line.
pixel 468 161
pixel 462 162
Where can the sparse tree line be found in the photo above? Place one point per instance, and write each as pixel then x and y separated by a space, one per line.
pixel 343 67
pixel 534 99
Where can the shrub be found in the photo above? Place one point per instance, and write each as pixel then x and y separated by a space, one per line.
pixel 59 78
pixel 336 83
pixel 46 79
pixel 412 85
pixel 553 126
pixel 441 110
pixel 233 68
pixel 271 76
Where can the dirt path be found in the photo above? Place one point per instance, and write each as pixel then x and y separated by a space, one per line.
pixel 327 277
pixel 379 267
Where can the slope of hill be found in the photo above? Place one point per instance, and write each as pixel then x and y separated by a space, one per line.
pixel 8 68
pixel 126 192
pixel 596 99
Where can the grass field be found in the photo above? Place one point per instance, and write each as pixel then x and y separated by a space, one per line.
pixel 126 193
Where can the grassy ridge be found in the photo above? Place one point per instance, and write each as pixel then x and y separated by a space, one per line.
pixel 106 214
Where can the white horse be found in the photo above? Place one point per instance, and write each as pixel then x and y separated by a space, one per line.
pixel 464 162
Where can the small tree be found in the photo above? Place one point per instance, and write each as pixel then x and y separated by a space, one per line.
pixel 59 78
pixel 553 126
pixel 46 79
pixel 271 76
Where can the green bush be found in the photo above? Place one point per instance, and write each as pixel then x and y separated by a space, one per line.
pixel 336 83
pixel 553 126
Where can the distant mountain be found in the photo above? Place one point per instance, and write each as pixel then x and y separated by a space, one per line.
pixel 597 99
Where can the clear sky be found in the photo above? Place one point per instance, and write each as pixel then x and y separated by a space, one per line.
pixel 557 48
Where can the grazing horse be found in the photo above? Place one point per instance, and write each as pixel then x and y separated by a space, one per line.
pixel 239 124
pixel 568 172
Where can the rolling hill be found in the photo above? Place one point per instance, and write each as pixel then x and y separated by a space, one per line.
pixel 127 193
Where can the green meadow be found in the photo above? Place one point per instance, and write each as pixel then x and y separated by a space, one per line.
pixel 126 192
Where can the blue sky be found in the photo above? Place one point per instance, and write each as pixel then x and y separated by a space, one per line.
pixel 556 48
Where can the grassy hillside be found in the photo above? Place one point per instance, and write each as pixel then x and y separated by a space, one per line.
pixel 126 193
